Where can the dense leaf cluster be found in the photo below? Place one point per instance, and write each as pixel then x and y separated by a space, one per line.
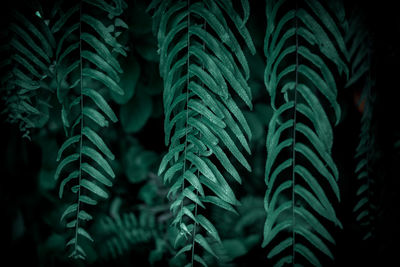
pixel 209 126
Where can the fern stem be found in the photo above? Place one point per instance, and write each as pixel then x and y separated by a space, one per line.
pixel 294 139
pixel 81 133
pixel 198 173
pixel 187 101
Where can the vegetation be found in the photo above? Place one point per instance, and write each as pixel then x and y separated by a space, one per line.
pixel 198 133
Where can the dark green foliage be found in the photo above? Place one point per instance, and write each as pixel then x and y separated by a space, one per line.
pixel 358 48
pixel 138 162
pixel 125 232
pixel 198 133
pixel 135 114
pixel 300 173
pixel 359 56
pixel 27 70
pixel 365 209
pixel 86 58
pixel 204 71
pixel 242 230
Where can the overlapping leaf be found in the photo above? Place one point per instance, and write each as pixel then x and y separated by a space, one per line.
pixel 301 176
pixel 205 74
pixel 28 59
pixel 86 59
pixel 120 233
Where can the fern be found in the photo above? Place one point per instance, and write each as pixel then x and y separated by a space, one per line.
pixel 357 54
pixel 302 44
pixel 86 59
pixel 242 232
pixel 202 64
pixel 27 69
pixel 123 232
pixel 359 58
pixel 365 209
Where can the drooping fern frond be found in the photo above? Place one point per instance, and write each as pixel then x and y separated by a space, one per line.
pixel 365 209
pixel 27 69
pixel 359 57
pixel 205 74
pixel 304 49
pixel 86 56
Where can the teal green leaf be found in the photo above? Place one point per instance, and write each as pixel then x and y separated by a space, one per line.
pixel 63 163
pixel 103 78
pixel 136 113
pixel 99 159
pixel 208 226
pixel 169 156
pixel 219 202
pixel 100 102
pixel 201 166
pixel 100 63
pixel 66 144
pixel 97 141
pixel 94 188
pixel 83 215
pixel 192 196
pixel 72 175
pixel 129 80
pixel 95 116
pixel 204 244
pixel 84 233
pixel 87 200
pixel 70 209
pixel 102 50
pixel 95 174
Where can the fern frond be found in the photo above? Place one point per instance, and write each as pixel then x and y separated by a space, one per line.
pixel 357 40
pixel 204 70
pixel 359 58
pixel 302 40
pixel 86 59
pixel 124 231
pixel 28 70
pixel 365 207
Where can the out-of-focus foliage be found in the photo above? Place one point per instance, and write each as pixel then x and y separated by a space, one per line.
pixel 42 88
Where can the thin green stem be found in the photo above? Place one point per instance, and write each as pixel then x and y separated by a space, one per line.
pixel 294 141
pixel 187 101
pixel 81 134
pixel 198 174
